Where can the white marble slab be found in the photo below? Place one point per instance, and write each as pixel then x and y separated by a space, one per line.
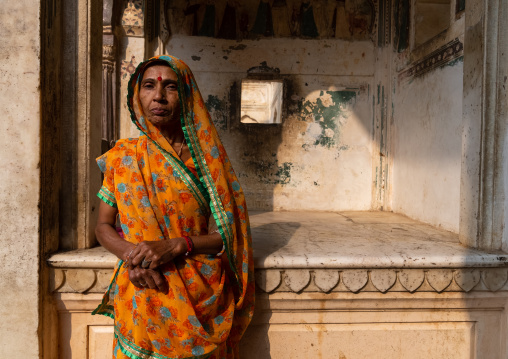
pixel 335 240
pixel 358 240
pixel 97 257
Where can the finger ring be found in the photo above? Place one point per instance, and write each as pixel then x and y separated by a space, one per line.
pixel 145 263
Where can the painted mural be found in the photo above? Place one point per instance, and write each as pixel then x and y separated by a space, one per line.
pixel 236 20
pixel 133 17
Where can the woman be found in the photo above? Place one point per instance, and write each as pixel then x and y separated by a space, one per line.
pixel 183 287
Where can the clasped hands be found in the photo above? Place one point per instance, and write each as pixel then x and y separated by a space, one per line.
pixel 144 261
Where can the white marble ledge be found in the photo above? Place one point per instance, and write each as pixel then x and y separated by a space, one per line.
pixel 325 240
pixel 97 257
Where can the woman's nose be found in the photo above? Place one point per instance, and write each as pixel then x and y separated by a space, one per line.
pixel 159 92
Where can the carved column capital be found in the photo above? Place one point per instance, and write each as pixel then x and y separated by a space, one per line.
pixel 108 57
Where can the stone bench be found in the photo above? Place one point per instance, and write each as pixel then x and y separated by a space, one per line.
pixel 326 279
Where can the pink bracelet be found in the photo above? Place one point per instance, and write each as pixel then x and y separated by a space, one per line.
pixel 190 245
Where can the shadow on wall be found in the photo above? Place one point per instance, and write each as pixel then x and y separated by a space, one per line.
pixel 256 144
pixel 272 236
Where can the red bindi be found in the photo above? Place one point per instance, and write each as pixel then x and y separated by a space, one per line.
pixel 159 78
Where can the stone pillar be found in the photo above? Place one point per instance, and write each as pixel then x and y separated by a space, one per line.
pixel 109 125
pixel 131 43
pixel 20 185
pixel 88 100
pixel 484 177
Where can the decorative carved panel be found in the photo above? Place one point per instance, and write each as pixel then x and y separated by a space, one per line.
pixel 87 280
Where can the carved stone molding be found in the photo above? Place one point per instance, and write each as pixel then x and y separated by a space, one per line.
pixel 87 280
pixel 80 280
pixel 442 56
pixel 382 280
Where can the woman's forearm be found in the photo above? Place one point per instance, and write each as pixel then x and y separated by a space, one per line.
pixel 109 238
pixel 207 244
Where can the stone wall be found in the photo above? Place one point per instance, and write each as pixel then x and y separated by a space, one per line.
pixel 20 144
pixel 426 132
pixel 320 157
pixel 427 145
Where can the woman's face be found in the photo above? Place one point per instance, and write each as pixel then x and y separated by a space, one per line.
pixel 158 95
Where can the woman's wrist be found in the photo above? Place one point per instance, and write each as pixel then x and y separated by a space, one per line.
pixel 190 245
pixel 182 246
pixel 129 248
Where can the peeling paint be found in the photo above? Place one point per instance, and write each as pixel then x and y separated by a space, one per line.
pixel 284 173
pixel 269 172
pixel 326 113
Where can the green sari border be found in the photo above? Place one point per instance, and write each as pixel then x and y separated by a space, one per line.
pixel 107 193
pixel 134 351
pixel 216 206
pixel 107 201
pixel 104 308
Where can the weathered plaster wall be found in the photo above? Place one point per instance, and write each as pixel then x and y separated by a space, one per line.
pixel 427 146
pixel 320 158
pixel 20 178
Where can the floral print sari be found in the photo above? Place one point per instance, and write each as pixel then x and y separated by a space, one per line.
pixel 211 297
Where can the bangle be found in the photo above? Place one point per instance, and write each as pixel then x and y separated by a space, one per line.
pixel 190 245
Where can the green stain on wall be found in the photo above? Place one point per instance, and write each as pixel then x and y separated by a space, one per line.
pixel 327 116
pixel 283 174
pixel 218 110
pixel 452 63
pixel 270 172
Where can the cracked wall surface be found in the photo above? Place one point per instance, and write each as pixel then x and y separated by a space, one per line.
pixel 20 179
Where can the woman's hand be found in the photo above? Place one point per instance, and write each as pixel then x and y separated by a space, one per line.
pixel 147 278
pixel 152 254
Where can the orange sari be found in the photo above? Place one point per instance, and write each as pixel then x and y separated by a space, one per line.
pixel 211 298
